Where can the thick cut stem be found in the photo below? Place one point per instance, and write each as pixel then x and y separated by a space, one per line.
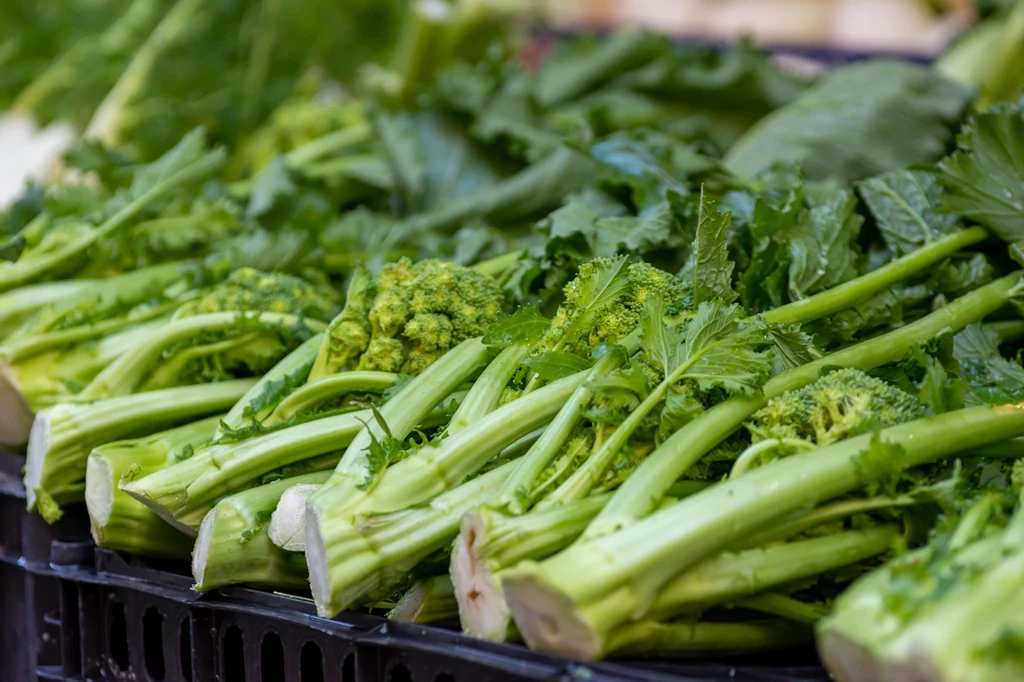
pixel 121 523
pixel 220 469
pixel 434 470
pixel 556 608
pixel 63 436
pixel 232 546
pixel 357 559
pixel 644 489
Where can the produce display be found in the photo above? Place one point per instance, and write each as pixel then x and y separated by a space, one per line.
pixel 631 349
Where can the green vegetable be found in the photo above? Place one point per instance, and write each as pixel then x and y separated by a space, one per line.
pixel 556 608
pixel 63 436
pixel 121 523
pixel 858 121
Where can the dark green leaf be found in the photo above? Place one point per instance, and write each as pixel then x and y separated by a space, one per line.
pixel 525 326
pixel 822 248
pixel 984 179
pixel 858 121
pixel 712 267
pixel 555 365
pixel 905 205
pixel 990 378
pixel 270 186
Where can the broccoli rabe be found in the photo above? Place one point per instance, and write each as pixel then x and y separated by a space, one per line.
pixel 408 317
pixel 841 404
pixel 247 289
pixel 603 304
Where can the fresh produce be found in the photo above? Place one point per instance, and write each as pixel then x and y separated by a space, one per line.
pixel 643 350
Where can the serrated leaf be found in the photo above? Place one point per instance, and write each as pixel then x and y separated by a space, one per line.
pixel 712 268
pixel 822 248
pixel 555 365
pixel 635 234
pixel 984 178
pixel 990 378
pixel 270 185
pixel 525 326
pixel 793 347
pixel 660 343
pixel 681 407
pixel 605 285
pixel 905 205
pixel 725 352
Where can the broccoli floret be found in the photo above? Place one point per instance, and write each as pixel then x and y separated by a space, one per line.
pixel 411 315
pixel 590 317
pixel 842 404
pixel 249 289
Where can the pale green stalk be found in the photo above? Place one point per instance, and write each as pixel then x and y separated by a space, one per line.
pixel 359 559
pixel 121 523
pixel 703 639
pixel 63 436
pixel 233 548
pixel 128 372
pixel 558 608
pixel 334 386
pixel 427 601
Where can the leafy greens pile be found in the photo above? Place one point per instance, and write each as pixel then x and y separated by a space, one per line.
pixel 433 335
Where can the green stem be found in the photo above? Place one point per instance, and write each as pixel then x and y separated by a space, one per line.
pixel 312 394
pixel 129 371
pixel 261 399
pixel 776 604
pixel 29 270
pixel 498 266
pixel 336 142
pixel 804 521
pixel 644 489
pixel 19 305
pixel 232 546
pixel 222 468
pixel 427 601
pixel 105 125
pixel 63 436
pixel 354 560
pixel 520 490
pixel 406 410
pixel 487 388
pixel 558 608
pixel 121 523
pixel 844 295
pixel 435 470
pixel 732 576
pixel 754 454
pixel 702 639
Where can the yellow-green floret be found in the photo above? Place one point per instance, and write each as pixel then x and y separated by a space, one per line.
pixel 841 404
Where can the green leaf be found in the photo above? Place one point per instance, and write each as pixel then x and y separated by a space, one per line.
pixel 905 205
pixel 822 249
pixel 712 268
pixel 681 407
pixel 526 326
pixel 725 351
pixel 991 378
pixel 555 365
pixel 880 467
pixel 272 184
pixel 660 343
pixel 984 178
pixel 397 134
pixel 636 235
pixel 793 347
pixel 858 121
